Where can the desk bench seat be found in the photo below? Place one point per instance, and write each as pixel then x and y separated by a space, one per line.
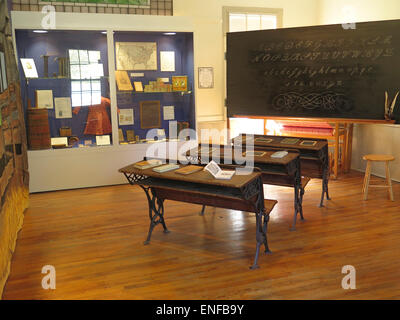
pixel 269 205
pixel 304 181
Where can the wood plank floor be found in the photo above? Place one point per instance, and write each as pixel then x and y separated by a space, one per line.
pixel 94 239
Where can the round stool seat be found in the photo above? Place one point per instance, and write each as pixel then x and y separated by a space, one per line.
pixel 378 157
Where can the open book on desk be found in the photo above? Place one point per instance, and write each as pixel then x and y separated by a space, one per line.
pixel 217 172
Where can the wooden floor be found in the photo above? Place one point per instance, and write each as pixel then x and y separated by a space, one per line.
pixel 94 239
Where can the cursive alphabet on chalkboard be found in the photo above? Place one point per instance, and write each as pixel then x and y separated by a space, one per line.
pixel 313 72
pixel 331 101
pixel 257 57
pixel 317 45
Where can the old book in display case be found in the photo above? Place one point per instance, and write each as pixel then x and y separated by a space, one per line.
pixel 38 129
pixel 130 135
pixel 123 81
pixel 138 86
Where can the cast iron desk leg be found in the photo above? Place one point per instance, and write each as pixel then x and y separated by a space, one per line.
pixel 297 197
pixel 325 176
pixel 261 237
pixel 266 219
pixel 156 212
pixel 296 208
pixel 324 189
pixel 301 203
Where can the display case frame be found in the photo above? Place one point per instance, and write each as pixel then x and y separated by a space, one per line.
pixel 58 169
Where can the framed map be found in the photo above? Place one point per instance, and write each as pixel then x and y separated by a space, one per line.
pixel 136 55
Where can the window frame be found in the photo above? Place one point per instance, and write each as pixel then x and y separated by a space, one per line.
pixel 81 80
pixel 278 12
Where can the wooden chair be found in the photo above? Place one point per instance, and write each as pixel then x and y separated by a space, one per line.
pixel 370 158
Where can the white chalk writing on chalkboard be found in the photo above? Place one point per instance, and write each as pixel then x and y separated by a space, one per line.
pixel 311 101
pixel 328 43
pixel 371 54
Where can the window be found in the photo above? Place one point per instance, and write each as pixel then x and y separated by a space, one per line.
pixel 85 71
pixel 250 22
pixel 250 19
pixel 238 19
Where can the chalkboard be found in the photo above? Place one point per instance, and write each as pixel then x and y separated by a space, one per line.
pixel 323 71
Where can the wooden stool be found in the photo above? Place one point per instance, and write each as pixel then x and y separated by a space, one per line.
pixel 379 158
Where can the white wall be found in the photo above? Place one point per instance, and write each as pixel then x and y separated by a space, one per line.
pixel 333 11
pixel 206 16
pixel 383 139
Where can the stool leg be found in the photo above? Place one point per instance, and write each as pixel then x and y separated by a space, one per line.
pixel 389 180
pixel 366 179
pixel 343 154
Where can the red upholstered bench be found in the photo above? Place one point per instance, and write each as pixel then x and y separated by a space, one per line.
pixel 317 130
pixel 313 128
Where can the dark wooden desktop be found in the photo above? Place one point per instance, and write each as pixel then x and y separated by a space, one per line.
pixel 275 171
pixel 242 192
pixel 314 159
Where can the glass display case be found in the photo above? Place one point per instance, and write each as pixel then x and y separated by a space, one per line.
pixel 65 88
pixel 154 83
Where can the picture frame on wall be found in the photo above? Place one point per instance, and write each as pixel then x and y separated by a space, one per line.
pixel 206 77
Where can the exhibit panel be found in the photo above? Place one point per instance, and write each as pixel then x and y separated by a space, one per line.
pixel 154 83
pixel 65 89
